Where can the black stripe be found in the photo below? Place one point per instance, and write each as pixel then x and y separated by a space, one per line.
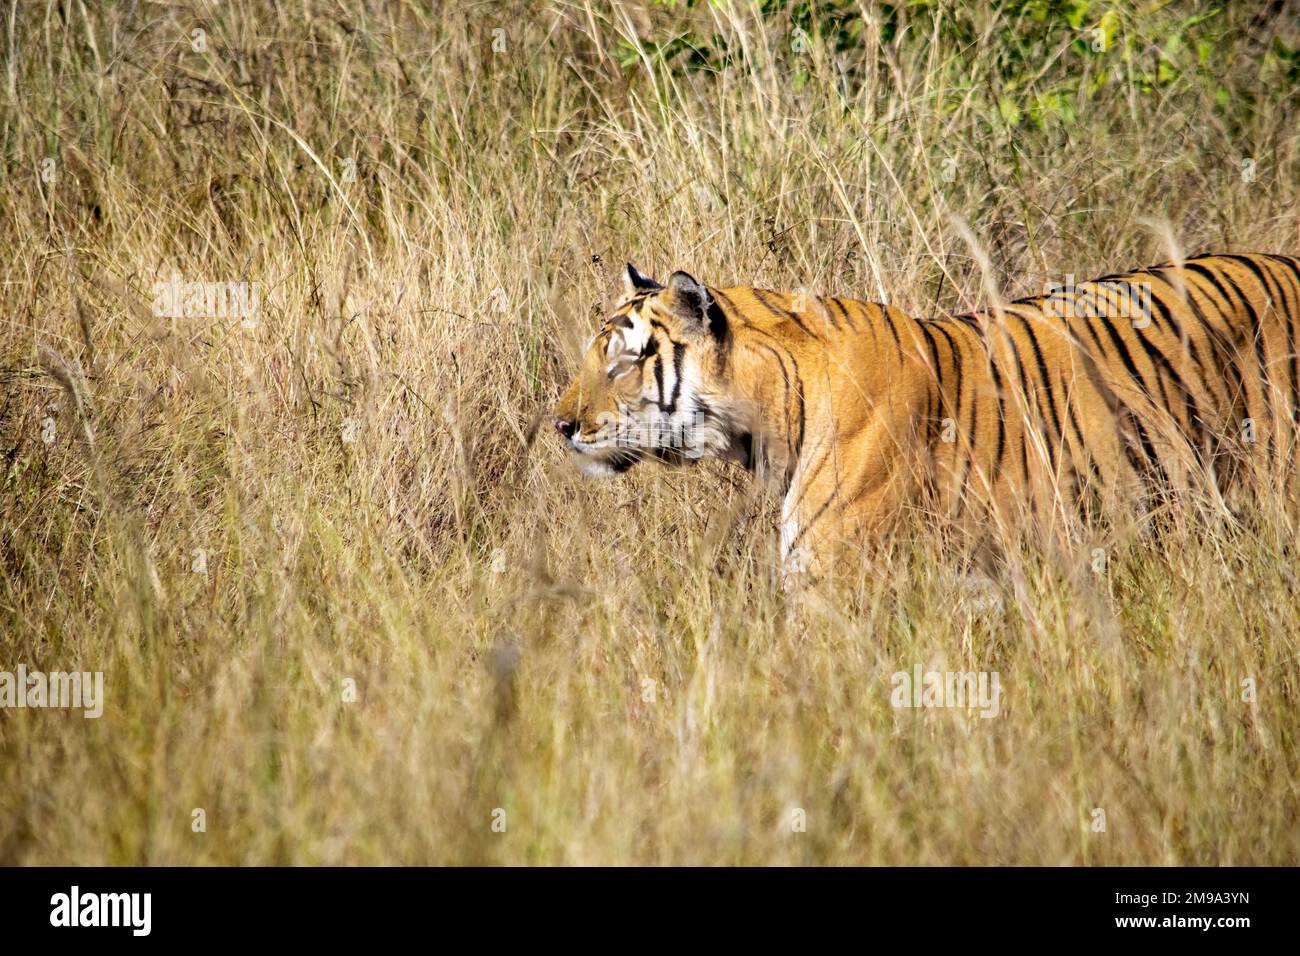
pixel 1270 283
pixel 934 355
pixel 848 319
pixel 1163 310
pixel 1149 451
pixel 1122 349
pixel 828 449
pixel 1002 415
pixel 717 322
pixel 974 403
pixel 721 297
pixel 1047 382
pixel 1194 418
pixel 889 322
pixel 679 352
pixel 803 528
pixel 1093 468
pixel 1037 396
pixel 1293 279
pixel 761 297
pixel 1260 358
pixel 830 315
pixel 956 366
pixel 798 384
pixel 1221 347
pixel 1292 264
pixel 1208 275
pixel 1159 360
pixel 971 441
pixel 679 349
pixel 1025 392
pixel 797 447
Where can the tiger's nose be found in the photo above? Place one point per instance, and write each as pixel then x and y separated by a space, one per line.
pixel 565 428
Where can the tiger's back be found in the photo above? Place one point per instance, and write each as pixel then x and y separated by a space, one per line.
pixel 1125 390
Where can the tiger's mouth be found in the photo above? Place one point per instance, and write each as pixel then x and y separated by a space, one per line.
pixel 604 466
pixel 602 457
pixel 615 463
pixel 596 463
pixel 622 461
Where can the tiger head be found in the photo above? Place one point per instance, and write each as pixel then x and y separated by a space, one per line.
pixel 652 381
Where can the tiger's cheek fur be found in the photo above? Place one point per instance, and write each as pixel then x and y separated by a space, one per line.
pixel 587 399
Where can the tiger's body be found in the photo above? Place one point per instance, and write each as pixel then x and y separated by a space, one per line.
pixel 1109 395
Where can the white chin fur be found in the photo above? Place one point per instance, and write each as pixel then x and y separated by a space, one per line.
pixel 594 467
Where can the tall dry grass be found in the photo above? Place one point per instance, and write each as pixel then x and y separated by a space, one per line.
pixel 615 666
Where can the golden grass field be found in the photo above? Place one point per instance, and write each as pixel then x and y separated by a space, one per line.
pixel 350 600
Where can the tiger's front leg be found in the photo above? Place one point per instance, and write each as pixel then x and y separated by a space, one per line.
pixel 850 491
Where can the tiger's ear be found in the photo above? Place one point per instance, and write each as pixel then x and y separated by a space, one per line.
pixel 634 282
pixel 687 298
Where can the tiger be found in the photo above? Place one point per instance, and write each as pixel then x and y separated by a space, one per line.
pixel 1117 394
